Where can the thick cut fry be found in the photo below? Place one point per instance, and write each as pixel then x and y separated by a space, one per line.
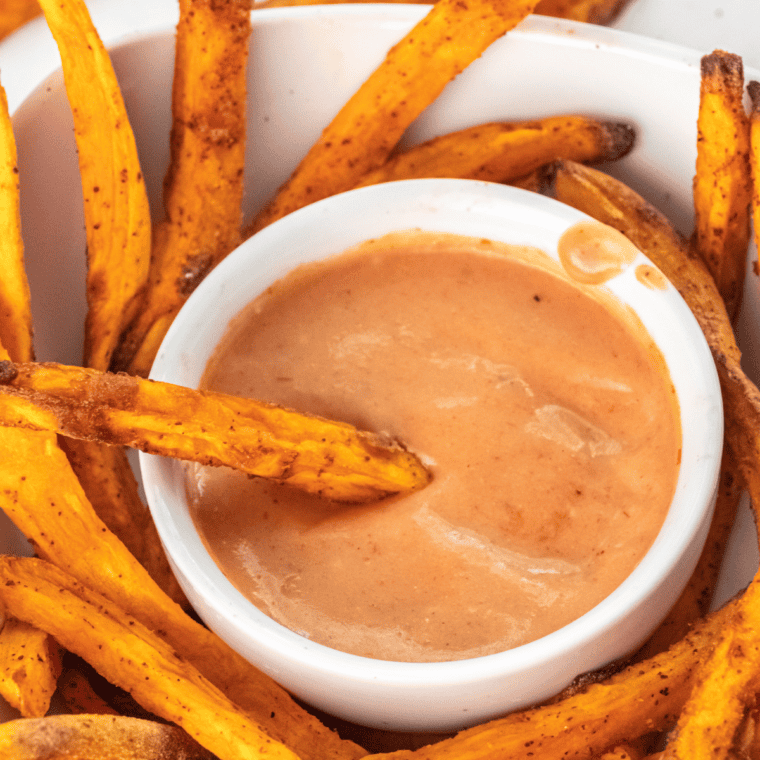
pixel 722 184
pixel 641 699
pixel 15 304
pixel 30 663
pixel 109 482
pixel 48 505
pixel 331 459
pixel 132 657
pixel 204 186
pixel 365 131
pixel 715 709
pixel 753 89
pixel 504 152
pixel 696 599
pixel 86 737
pixel 116 211
pixel 15 13
pixel 589 11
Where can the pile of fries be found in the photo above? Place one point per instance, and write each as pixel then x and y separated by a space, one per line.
pixel 97 617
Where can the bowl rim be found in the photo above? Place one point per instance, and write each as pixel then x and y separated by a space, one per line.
pixel 651 572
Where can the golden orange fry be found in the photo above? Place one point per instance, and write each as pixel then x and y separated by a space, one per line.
pixel 331 459
pixel 204 186
pixel 15 301
pixel 506 151
pixel 588 11
pixel 132 657
pixel 722 184
pixel 365 131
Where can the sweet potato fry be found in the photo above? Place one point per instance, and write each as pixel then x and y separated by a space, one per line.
pixel 85 737
pixel 365 131
pixel 643 698
pixel 15 13
pixel 48 505
pixel 204 186
pixel 30 663
pixel 753 89
pixel 327 458
pixel 130 656
pixel 722 184
pixel 589 11
pixel 716 707
pixel 15 303
pixel 116 211
pixel 504 152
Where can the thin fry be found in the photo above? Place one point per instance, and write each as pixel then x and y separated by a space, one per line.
pixel 204 186
pixel 722 184
pixel 49 507
pixel 30 663
pixel 365 131
pixel 132 657
pixel 331 459
pixel 504 151
pixel 15 302
pixel 116 211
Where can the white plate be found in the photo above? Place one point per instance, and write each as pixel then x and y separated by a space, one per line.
pixel 305 63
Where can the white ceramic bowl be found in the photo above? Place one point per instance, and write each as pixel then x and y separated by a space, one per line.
pixel 437 696
pixel 305 63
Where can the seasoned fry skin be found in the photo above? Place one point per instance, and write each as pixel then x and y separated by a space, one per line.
pixel 722 183
pixel 84 737
pixel 30 663
pixel 116 211
pixel 15 300
pixel 504 152
pixel 204 186
pixel 365 131
pixel 326 458
pixel 49 507
pixel 133 658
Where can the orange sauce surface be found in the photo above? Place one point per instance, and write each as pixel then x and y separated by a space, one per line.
pixel 544 412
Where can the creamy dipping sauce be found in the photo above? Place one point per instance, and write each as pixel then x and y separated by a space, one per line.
pixel 544 410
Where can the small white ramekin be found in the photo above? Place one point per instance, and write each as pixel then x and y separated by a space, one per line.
pixel 448 695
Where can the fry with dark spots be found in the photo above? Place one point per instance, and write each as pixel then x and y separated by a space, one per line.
pixel 49 507
pixel 116 211
pixel 331 459
pixel 507 151
pixel 204 185
pixel 365 131
pixel 722 183
pixel 588 11
pixel 132 657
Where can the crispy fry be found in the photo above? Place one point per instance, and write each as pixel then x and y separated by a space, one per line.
pixel 79 697
pixel 86 737
pixel 590 11
pixel 696 599
pixel 365 131
pixel 15 13
pixel 116 211
pixel 753 89
pixel 15 304
pixel 722 184
pixel 130 656
pixel 204 186
pixel 327 458
pixel 504 152
pixel 109 482
pixel 643 698
pixel 30 663
pixel 49 507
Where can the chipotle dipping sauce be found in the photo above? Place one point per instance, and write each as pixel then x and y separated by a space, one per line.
pixel 540 404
